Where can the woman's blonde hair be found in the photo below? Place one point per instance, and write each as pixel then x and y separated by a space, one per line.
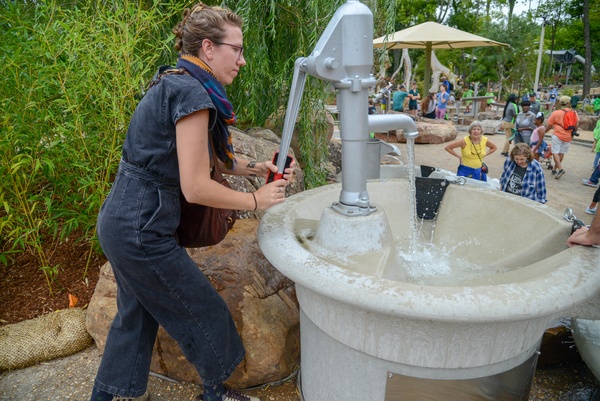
pixel 203 22
pixel 521 149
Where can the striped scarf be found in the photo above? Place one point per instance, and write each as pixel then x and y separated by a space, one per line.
pixel 225 116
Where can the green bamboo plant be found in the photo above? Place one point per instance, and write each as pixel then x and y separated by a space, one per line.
pixel 71 75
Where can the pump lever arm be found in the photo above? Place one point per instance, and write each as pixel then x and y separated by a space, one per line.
pixel 291 114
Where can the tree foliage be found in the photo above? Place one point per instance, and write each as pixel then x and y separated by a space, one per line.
pixel 514 67
pixel 276 33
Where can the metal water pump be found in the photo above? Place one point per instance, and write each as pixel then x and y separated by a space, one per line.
pixel 344 56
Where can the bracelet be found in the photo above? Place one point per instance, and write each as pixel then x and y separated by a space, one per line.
pixel 255 203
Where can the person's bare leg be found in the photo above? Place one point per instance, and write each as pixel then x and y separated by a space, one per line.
pixel 557 161
pixel 507 134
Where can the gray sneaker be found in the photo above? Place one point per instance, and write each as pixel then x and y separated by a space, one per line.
pixel 231 395
pixel 141 398
pixel 559 174
pixel 589 183
pixel 591 211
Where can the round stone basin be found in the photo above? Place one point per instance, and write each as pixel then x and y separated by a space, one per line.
pixel 371 326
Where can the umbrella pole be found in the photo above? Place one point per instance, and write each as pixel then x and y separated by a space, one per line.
pixel 427 80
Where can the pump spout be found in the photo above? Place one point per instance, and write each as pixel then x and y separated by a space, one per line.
pixel 388 122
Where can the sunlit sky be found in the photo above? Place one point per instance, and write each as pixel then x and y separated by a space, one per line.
pixel 523 5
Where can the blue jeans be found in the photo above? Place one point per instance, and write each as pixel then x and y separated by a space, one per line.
pixel 157 283
pixel 595 175
pixel 596 159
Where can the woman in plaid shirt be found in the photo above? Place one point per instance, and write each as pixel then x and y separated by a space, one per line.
pixel 523 175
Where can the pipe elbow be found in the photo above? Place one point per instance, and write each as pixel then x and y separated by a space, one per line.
pixel 388 122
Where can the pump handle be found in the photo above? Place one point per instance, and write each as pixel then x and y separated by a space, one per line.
pixel 291 113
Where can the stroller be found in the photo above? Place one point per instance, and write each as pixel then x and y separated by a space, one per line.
pixel 545 153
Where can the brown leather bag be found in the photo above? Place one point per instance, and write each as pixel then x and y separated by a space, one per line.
pixel 204 225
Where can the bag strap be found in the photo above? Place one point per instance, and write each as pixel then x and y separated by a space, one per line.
pixel 216 173
pixel 169 71
pixel 476 151
pixel 563 118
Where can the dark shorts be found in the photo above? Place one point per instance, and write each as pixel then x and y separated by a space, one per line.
pixel 412 107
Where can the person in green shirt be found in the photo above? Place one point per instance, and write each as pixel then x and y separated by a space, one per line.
pixel 596 146
pixel 414 97
pixel 490 92
pixel 467 93
pixel 596 104
pixel 575 100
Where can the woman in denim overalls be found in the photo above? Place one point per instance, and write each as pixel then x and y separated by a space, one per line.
pixel 167 151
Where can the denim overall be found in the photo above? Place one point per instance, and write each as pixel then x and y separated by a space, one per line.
pixel 157 282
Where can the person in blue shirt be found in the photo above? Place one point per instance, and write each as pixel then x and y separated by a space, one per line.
pixel 523 175
pixel 442 102
pixel 553 97
pixel 372 109
pixel 449 86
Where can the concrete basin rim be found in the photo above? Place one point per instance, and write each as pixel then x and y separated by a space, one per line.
pixel 552 294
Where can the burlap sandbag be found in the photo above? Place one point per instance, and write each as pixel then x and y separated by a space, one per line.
pixel 54 335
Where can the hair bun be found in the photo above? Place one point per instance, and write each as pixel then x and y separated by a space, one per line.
pixel 198 7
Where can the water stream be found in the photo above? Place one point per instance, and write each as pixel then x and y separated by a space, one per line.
pixel 421 260
pixel 410 152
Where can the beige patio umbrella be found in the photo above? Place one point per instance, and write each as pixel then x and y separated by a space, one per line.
pixel 431 35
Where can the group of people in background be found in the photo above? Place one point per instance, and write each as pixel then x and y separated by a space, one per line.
pixel 522 173
pixel 445 95
pixel 519 127
pixel 413 96
pixel 525 128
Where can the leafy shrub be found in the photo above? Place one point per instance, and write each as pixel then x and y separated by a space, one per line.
pixel 69 87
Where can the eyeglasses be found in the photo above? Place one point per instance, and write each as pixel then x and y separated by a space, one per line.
pixel 240 49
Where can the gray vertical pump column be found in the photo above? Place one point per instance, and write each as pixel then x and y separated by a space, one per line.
pixel 344 56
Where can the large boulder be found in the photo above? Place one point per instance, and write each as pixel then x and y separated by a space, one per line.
pixel 491 127
pixel 276 120
pixel 262 302
pixel 259 144
pixel 430 131
pixel 587 123
pixel 488 115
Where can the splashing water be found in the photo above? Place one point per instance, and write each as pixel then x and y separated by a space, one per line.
pixel 436 265
pixel 424 262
